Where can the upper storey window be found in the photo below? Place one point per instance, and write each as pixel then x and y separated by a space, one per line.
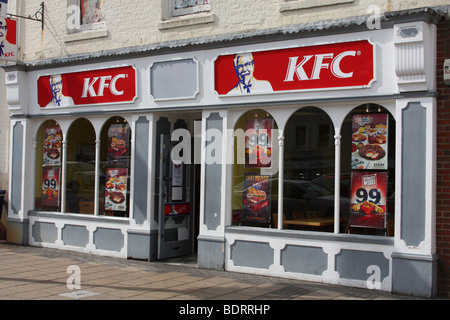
pixel 92 14
pixel 183 7
pixel 85 20
pixel 181 13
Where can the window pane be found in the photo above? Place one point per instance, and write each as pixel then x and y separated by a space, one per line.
pixel 308 160
pixel 92 11
pixel 115 168
pixel 255 178
pixel 80 164
pixel 189 3
pixel 356 143
pixel 48 167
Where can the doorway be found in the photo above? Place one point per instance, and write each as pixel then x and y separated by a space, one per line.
pixel 177 185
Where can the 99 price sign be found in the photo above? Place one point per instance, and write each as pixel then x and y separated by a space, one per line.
pixel 50 186
pixel 368 199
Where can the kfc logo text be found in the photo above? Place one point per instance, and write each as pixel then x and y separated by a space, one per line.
pixel 103 82
pixel 321 61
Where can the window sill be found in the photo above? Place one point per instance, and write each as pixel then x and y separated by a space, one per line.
pixel 305 4
pixel 86 35
pixel 187 20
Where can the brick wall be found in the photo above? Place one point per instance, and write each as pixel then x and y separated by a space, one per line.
pixel 443 163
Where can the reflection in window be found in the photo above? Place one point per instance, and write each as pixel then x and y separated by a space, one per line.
pixel 308 158
pixel 255 178
pixel 48 167
pixel 114 190
pixel 368 171
pixel 80 167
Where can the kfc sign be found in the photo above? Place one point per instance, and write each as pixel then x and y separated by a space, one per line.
pixel 8 40
pixel 332 66
pixel 104 86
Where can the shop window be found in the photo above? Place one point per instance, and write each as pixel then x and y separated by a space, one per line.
pixel 368 171
pixel 114 186
pixel 47 192
pixel 255 171
pixel 308 159
pixel 80 167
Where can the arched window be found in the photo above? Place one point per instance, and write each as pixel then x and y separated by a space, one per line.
pixel 308 157
pixel 255 178
pixel 368 171
pixel 115 158
pixel 48 167
pixel 80 167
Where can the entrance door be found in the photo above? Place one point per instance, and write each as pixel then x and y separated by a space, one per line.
pixel 175 205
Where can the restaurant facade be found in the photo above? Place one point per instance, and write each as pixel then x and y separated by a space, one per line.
pixel 307 152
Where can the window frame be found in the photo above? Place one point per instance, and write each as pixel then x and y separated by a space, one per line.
pixel 83 32
pixel 184 17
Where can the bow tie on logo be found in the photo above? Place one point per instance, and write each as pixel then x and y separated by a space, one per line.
pixel 247 86
pixel 56 99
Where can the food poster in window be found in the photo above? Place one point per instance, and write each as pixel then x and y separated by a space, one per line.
pixel 118 145
pixel 368 199
pixel 52 146
pixel 258 143
pixel 50 187
pixel 370 141
pixel 116 189
pixel 256 195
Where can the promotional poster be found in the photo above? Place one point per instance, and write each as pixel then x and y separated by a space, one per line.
pixel 370 141
pixel 50 186
pixel 256 198
pixel 368 199
pixel 258 143
pixel 116 189
pixel 52 146
pixel 118 144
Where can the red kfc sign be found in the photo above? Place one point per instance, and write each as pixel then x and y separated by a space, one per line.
pixel 339 65
pixel 103 86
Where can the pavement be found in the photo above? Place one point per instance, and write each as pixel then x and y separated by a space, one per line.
pixel 35 273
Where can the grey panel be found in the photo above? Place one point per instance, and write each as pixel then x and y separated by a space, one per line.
pixel 108 239
pixel 141 169
pixel 414 275
pixel 16 177
pixel 252 254
pixel 310 260
pixel 77 236
pixel 44 232
pixel 138 245
pixel 210 253
pixel 353 264
pixel 174 79
pixel 413 177
pixel 213 177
